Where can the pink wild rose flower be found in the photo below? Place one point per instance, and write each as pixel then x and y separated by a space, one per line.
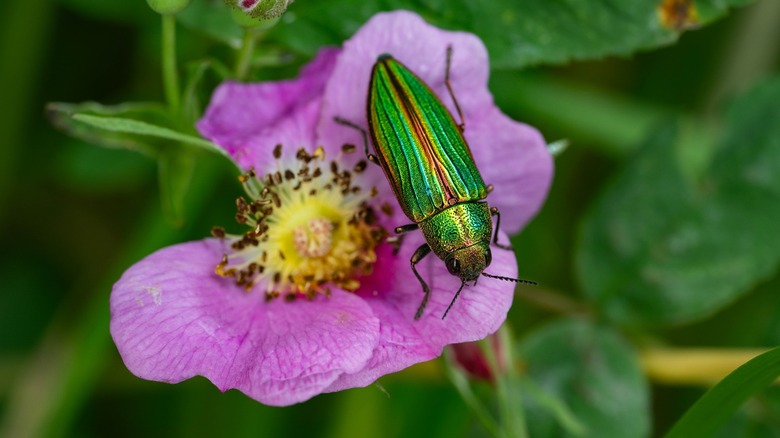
pixel 316 214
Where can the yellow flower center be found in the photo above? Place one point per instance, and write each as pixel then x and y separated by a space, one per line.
pixel 307 230
pixel 313 239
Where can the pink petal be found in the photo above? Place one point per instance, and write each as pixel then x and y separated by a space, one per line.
pixel 513 157
pixel 248 120
pixel 172 318
pixel 422 48
pixel 479 311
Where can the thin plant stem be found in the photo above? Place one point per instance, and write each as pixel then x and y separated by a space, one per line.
pixel 461 384
pixel 25 29
pixel 170 75
pixel 507 391
pixel 244 59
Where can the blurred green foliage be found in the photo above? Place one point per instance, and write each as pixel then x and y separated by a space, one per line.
pixel 594 372
pixel 661 226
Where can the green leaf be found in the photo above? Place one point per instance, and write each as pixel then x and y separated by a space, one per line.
pixel 759 417
pixel 719 403
pixel 61 115
pixel 129 126
pixel 668 241
pixel 590 370
pixel 517 33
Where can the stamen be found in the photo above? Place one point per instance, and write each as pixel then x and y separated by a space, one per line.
pixel 306 231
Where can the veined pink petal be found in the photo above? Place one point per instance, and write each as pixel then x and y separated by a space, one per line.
pixel 247 120
pixel 513 157
pixel 173 318
pixel 478 312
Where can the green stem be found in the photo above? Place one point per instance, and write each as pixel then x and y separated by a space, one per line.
pixel 244 60
pixel 555 406
pixel 461 384
pixel 510 403
pixel 170 75
pixel 25 29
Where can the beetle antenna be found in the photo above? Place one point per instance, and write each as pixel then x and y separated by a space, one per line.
pixel 516 280
pixel 462 283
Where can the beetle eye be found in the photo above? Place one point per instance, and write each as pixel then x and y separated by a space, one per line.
pixel 453 265
pixel 488 257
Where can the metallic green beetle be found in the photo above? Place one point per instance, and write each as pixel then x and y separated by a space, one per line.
pixel 432 172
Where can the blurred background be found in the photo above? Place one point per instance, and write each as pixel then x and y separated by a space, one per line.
pixel 74 215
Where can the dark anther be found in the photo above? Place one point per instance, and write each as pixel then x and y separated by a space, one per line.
pixel 218 232
pixel 241 204
pixel 360 166
pixel 348 148
pixel 288 174
pixel 369 216
pixel 278 151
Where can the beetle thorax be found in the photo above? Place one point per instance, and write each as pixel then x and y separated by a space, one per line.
pixel 458 227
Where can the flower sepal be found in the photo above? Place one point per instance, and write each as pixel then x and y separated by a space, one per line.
pixel 259 10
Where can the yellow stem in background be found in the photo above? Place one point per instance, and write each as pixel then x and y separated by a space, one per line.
pixel 665 365
pixel 694 366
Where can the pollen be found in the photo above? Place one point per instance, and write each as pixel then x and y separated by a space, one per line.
pixel 310 226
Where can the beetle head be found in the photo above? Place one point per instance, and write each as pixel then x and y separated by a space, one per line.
pixel 469 262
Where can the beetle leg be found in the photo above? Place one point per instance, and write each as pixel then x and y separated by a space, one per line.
pixel 418 255
pixel 371 157
pixel 396 242
pixel 489 188
pixel 462 125
pixel 405 228
pixel 494 212
pixel 457 294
